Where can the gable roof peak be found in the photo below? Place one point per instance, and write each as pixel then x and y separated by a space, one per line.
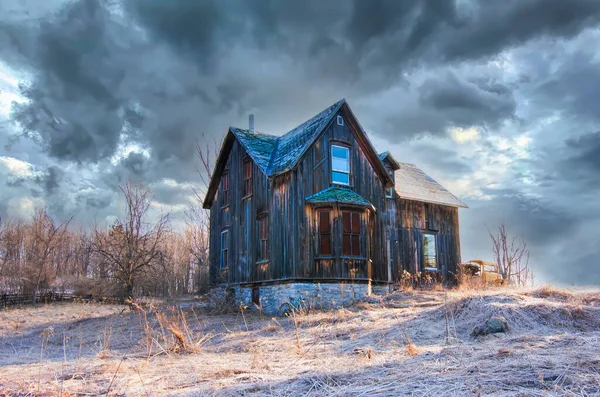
pixel 292 145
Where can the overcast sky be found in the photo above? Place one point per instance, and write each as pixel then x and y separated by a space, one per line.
pixel 499 101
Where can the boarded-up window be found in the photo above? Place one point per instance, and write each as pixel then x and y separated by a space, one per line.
pixel 247 177
pixel 263 235
pixel 324 233
pixel 225 184
pixel 224 249
pixel 351 233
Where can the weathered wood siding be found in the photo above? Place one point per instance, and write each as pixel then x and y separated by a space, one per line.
pixel 295 222
pixel 240 217
pixel 407 221
pixel 293 250
pixel 392 238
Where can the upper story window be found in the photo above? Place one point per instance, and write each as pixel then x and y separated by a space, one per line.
pixel 351 233
pixel 247 177
pixel 225 185
pixel 389 192
pixel 324 232
pixel 429 252
pixel 224 249
pixel 263 236
pixel 340 165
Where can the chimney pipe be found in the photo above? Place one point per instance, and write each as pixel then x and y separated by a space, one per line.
pixel 251 122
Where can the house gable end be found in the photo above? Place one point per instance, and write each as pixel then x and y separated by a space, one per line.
pixel 359 134
pixel 256 149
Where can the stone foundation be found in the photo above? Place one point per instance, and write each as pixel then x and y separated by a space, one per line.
pixel 319 295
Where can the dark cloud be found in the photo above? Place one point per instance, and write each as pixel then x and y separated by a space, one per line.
pixel 440 158
pixel 585 156
pixel 92 81
pixel 50 180
pixel 98 202
pixel 466 103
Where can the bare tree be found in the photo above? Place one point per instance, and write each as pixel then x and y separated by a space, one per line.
pixel 132 246
pixel 198 218
pixel 512 256
pixel 47 237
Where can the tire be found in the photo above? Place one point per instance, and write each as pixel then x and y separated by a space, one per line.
pixel 285 309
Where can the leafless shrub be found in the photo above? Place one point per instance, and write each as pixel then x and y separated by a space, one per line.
pixel 512 256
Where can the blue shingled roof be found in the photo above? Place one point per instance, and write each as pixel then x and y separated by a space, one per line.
pixel 292 145
pixel 276 155
pixel 259 146
pixel 383 155
pixel 336 194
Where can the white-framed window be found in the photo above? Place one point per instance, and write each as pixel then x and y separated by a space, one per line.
pixel 224 249
pixel 389 192
pixel 340 120
pixel 429 252
pixel 340 165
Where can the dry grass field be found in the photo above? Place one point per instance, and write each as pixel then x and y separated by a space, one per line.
pixel 408 343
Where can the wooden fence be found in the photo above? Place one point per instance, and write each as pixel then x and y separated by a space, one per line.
pixel 24 299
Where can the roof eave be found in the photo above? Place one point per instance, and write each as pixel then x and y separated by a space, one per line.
pixel 448 204
pixel 375 160
pixel 213 185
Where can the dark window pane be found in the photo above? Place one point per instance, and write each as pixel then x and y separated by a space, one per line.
pixel 325 244
pixel 346 245
pixel 346 222
pixel 355 245
pixel 355 222
pixel 324 226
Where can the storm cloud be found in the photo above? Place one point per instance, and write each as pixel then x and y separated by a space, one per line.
pixel 496 100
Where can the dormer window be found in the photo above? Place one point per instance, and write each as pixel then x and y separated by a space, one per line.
pixel 389 192
pixel 340 165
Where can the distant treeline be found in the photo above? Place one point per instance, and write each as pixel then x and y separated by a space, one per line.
pixel 131 257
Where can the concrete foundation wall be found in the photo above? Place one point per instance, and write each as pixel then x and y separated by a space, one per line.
pixel 319 295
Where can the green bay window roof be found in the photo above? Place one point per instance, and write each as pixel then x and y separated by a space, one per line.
pixel 339 195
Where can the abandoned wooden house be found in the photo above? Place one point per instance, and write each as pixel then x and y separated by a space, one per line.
pixel 318 212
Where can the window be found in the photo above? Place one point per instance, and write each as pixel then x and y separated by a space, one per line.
pixel 351 233
pixel 340 120
pixel 263 236
pixel 225 184
pixel 340 165
pixel 389 192
pixel 324 232
pixel 224 249
pixel 429 252
pixel 247 177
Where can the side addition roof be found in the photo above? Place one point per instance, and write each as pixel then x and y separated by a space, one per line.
pixel 414 184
